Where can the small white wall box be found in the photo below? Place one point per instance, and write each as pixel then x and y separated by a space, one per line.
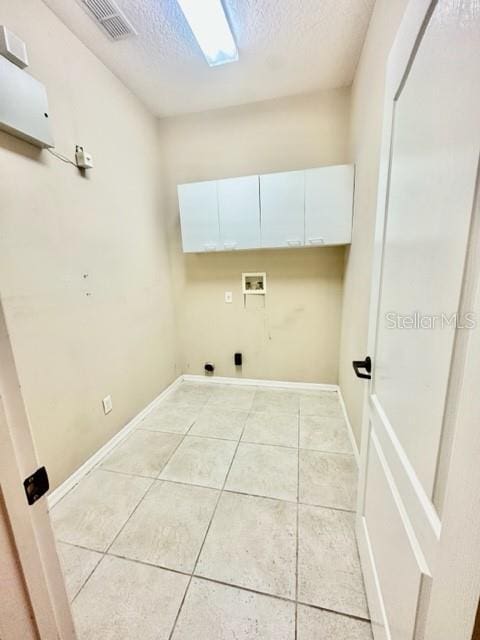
pixel 12 48
pixel 83 159
pixel 254 283
pixel 23 105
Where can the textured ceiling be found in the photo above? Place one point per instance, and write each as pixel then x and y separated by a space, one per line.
pixel 286 47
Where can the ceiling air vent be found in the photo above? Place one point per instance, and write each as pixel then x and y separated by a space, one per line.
pixel 110 18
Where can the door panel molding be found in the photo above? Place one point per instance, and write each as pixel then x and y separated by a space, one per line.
pixel 378 616
pixel 417 504
pixel 400 573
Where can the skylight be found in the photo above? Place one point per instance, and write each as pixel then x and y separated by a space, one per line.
pixel 210 27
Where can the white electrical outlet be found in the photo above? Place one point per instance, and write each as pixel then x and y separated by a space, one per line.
pixel 228 296
pixel 107 404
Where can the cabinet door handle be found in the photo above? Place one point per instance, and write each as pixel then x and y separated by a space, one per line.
pixel 316 240
pixel 230 245
pixel 210 247
pixel 294 243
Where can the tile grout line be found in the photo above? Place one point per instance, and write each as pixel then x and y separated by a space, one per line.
pixel 155 479
pixel 260 444
pixel 170 637
pixel 204 486
pixel 281 598
pixel 235 491
pixel 104 553
pixel 88 577
pixel 216 581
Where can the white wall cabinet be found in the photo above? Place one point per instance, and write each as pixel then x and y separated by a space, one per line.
pixel 328 205
pixel 198 202
pixel 289 209
pixel 239 213
pixel 282 204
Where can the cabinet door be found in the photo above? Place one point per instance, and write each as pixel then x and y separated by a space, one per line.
pixel 198 204
pixel 328 205
pixel 239 213
pixel 282 201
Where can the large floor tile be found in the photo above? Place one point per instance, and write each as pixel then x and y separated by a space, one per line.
pixel 190 395
pixel 218 422
pixel 314 624
pixel 202 461
pixel 264 470
pixel 77 565
pixel 143 453
pixel 272 428
pixel 320 403
pixel 217 612
pixel 276 401
pixel 324 434
pixel 126 600
pixel 232 397
pixel 169 526
pixel 328 479
pixel 329 573
pixel 93 513
pixel 170 417
pixel 196 388
pixel 252 543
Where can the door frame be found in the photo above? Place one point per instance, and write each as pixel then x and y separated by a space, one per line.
pixel 34 574
pixel 435 620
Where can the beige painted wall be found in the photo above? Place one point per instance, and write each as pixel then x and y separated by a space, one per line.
pixel 295 334
pixel 365 139
pixel 84 273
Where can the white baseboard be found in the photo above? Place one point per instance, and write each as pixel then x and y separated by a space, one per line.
pixel 98 456
pixel 349 428
pixel 314 386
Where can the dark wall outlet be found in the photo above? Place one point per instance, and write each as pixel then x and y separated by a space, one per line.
pixel 237 358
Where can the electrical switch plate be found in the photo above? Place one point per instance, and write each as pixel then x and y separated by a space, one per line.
pixel 107 404
pixel 228 296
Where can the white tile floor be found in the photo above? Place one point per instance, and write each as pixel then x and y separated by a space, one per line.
pixel 227 515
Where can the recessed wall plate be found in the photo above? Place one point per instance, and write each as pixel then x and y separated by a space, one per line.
pixel 254 283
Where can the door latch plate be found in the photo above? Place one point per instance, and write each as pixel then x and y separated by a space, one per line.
pixel 36 485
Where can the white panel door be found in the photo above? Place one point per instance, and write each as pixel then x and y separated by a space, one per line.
pixel 239 213
pixel 33 598
pixel 328 205
pixel 424 239
pixel 282 202
pixel 198 204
